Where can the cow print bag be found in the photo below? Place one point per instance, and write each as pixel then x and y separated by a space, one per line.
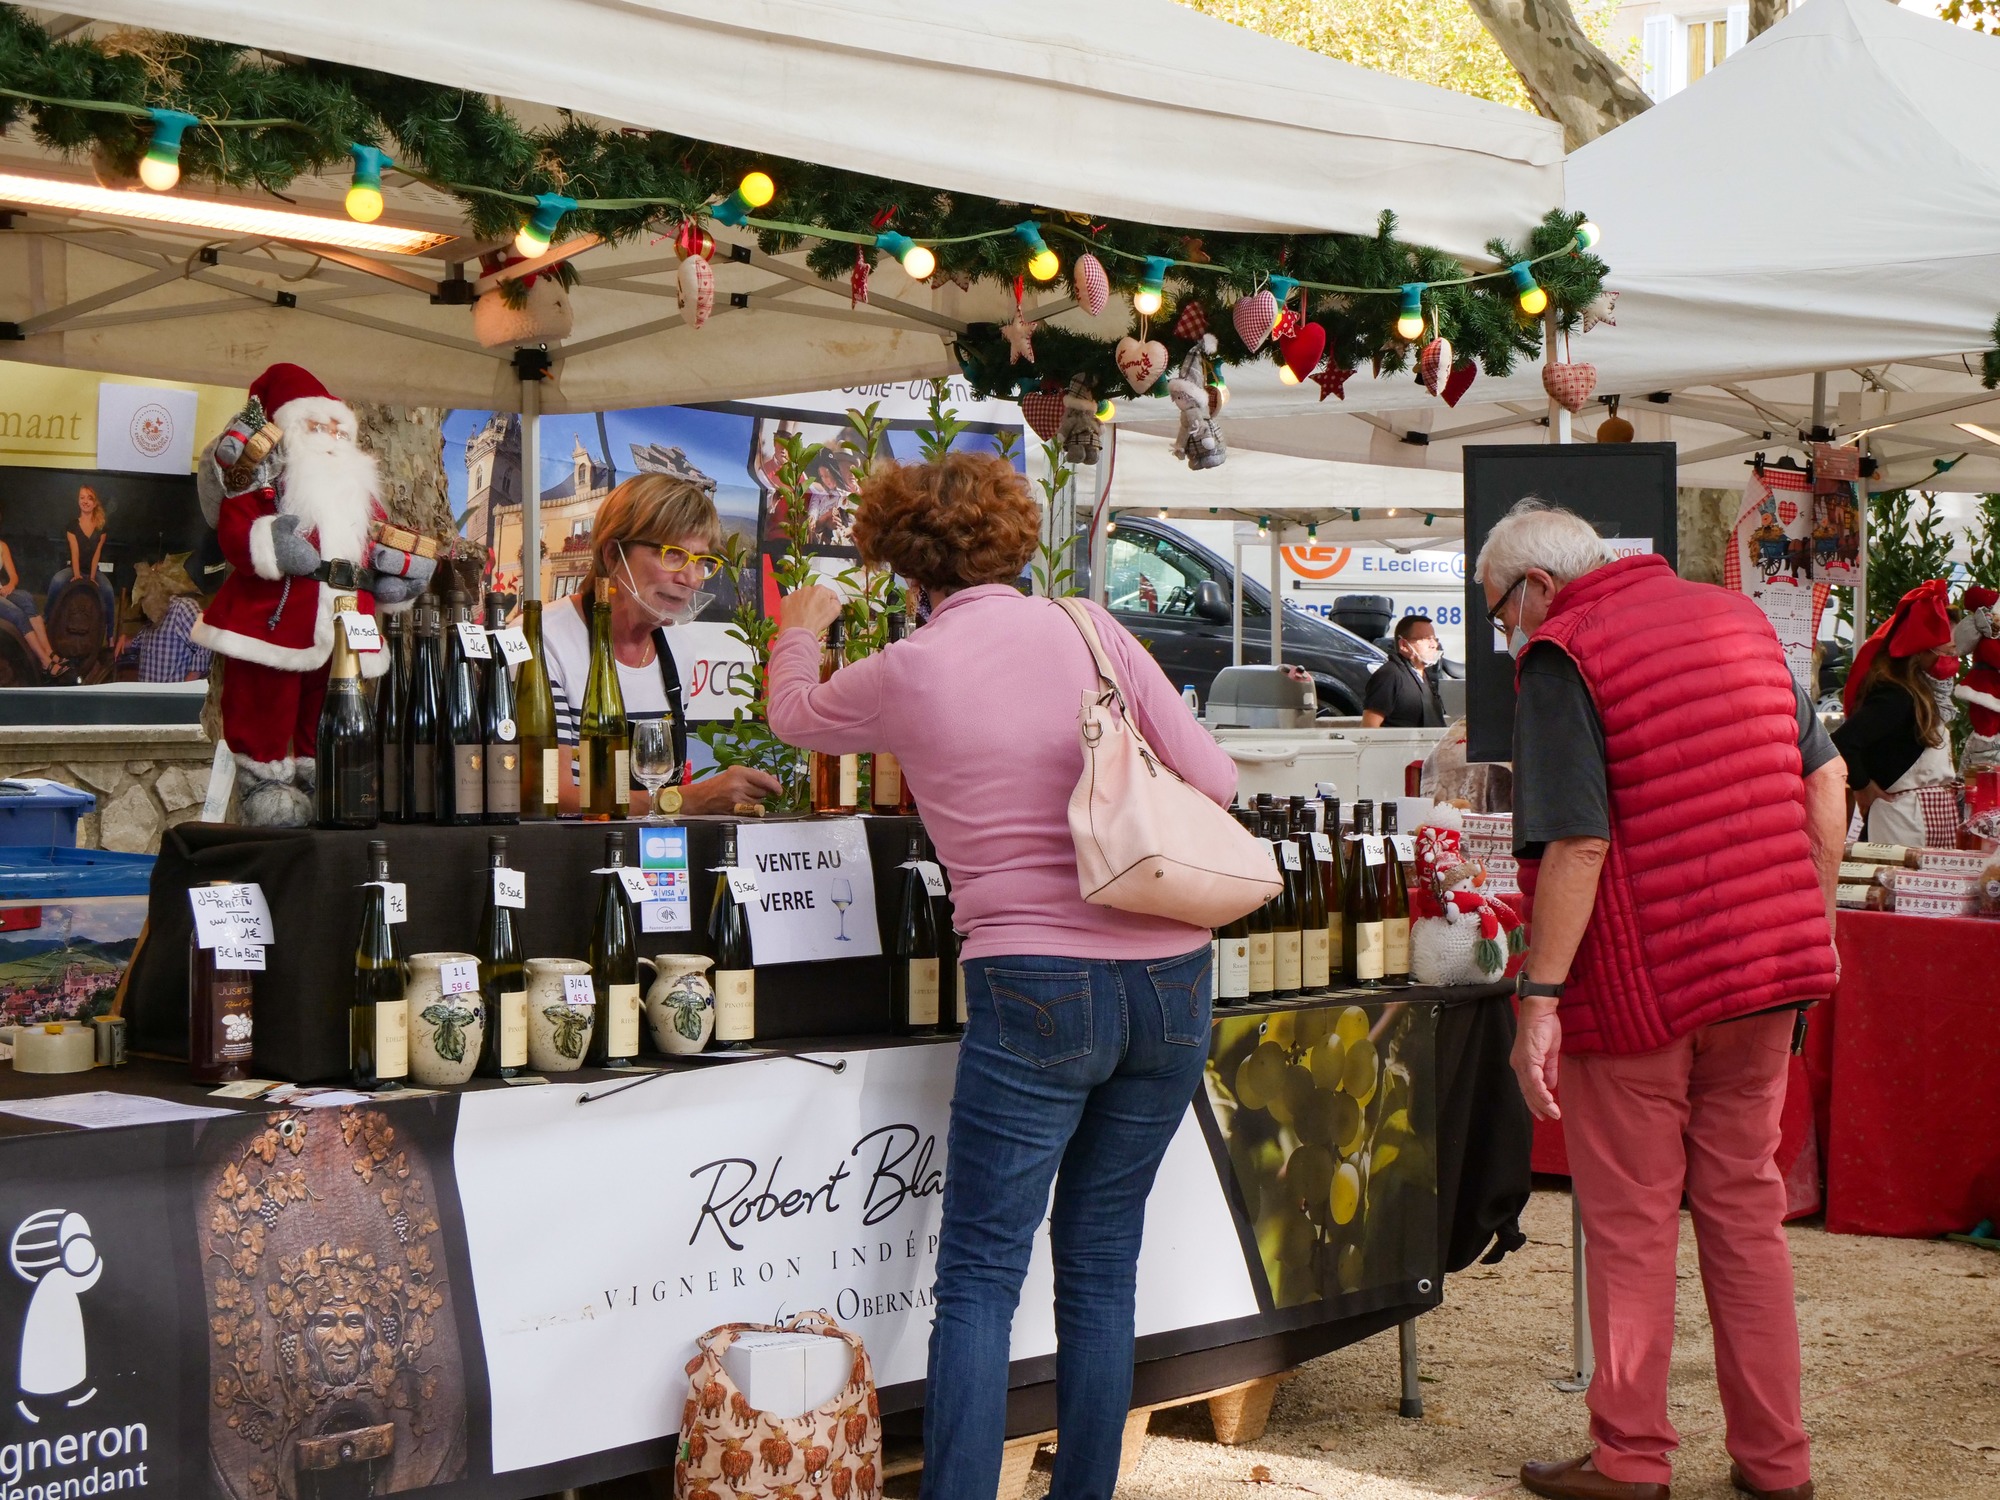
pixel 732 1451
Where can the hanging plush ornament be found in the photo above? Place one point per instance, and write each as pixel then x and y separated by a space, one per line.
pixel 1020 337
pixel 1603 309
pixel 1142 365
pixel 1192 323
pixel 1093 287
pixel 696 282
pixel 1434 364
pixel 1302 350
pixel 1569 385
pixel 1198 440
pixel 1043 410
pixel 1459 381
pixel 1615 429
pixel 1253 316
pixel 1332 380
pixel 1083 419
pixel 1287 325
pixel 857 281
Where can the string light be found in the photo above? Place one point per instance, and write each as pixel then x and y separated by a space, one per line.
pixel 364 196
pixel 1152 286
pixel 917 260
pixel 754 191
pixel 1042 261
pixel 1355 513
pixel 1286 376
pixel 1428 519
pixel 1312 532
pixel 1263 526
pixel 1527 291
pixel 534 236
pixel 1163 513
pixel 160 167
pixel 1410 318
pixel 1587 235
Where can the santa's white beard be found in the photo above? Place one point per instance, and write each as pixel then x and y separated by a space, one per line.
pixel 330 485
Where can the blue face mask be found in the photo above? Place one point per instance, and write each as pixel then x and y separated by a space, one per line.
pixel 1517 641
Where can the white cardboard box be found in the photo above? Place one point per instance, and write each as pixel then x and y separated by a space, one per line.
pixel 786 1374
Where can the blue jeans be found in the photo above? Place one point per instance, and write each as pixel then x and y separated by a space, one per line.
pixel 1076 1070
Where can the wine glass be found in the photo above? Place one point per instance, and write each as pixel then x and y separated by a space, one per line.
pixel 843 897
pixel 653 760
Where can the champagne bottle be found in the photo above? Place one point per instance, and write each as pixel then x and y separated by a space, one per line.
pixel 503 980
pixel 219 1019
pixel 535 718
pixel 836 779
pixel 1263 964
pixel 461 770
pixel 392 711
pixel 420 724
pixel 603 749
pixel 1395 904
pixel 735 979
pixel 378 1015
pixel 1361 913
pixel 887 791
pixel 614 966
pixel 1288 936
pixel 913 961
pixel 499 730
pixel 1315 973
pixel 348 792
pixel 1333 875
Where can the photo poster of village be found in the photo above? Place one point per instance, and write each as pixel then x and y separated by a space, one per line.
pixel 62 960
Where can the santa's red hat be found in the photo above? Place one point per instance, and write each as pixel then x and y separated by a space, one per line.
pixel 1921 621
pixel 283 384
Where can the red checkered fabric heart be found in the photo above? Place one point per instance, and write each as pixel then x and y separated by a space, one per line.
pixel 1193 321
pixel 1787 512
pixel 1434 364
pixel 1093 287
pixel 1043 410
pixel 1569 385
pixel 1253 316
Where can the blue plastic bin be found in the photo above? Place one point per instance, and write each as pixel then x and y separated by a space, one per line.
pixel 72 874
pixel 41 814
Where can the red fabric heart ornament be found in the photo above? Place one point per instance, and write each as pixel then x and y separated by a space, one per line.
pixel 1569 385
pixel 1093 287
pixel 1434 364
pixel 1043 410
pixel 1253 316
pixel 1303 350
pixel 1459 381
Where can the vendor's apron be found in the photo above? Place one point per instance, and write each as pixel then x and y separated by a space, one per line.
pixel 1921 810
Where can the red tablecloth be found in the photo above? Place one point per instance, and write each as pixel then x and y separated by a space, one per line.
pixel 1897 1097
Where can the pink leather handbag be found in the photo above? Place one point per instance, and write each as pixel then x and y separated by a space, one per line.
pixel 1146 841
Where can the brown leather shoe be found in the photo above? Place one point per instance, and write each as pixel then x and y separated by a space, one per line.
pixel 1790 1492
pixel 1570 1480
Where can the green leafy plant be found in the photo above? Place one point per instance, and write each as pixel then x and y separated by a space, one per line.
pixel 941 428
pixel 1985 561
pixel 1908 542
pixel 1051 568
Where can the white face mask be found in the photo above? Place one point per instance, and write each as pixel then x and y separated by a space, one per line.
pixel 1426 653
pixel 1517 641
pixel 696 602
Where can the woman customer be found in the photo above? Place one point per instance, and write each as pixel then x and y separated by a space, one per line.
pixel 1088 1027
pixel 654 539
pixel 1896 739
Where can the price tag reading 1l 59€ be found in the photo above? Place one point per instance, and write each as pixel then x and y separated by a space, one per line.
pixel 460 976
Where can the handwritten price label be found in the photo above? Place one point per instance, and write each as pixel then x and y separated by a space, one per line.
pixel 578 992
pixel 933 876
pixel 231 914
pixel 510 888
pixel 240 956
pixel 1371 849
pixel 1288 851
pixel 1406 847
pixel 459 976
pixel 472 641
pixel 638 889
pixel 395 900
pixel 1322 848
pixel 513 644
pixel 363 634
pixel 742 882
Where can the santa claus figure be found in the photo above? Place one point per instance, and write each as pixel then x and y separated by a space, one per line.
pixel 292 498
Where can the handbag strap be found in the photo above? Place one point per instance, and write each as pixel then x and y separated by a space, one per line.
pixel 1108 678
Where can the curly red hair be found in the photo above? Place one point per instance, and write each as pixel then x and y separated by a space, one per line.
pixel 965 520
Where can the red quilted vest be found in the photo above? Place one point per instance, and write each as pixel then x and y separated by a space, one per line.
pixel 1709 906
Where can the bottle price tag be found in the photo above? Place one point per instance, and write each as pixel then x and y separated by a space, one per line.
pixel 460 976
pixel 1406 847
pixel 1322 848
pixel 395 900
pixel 510 888
pixel 513 644
pixel 1371 849
pixel 363 634
pixel 240 956
pixel 742 882
pixel 231 914
pixel 578 992
pixel 1288 850
pixel 932 872
pixel 472 641
pixel 637 888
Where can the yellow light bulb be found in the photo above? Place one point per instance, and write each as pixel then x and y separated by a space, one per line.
pixel 1285 376
pixel 1410 328
pixel 757 189
pixel 159 173
pixel 1534 302
pixel 1146 301
pixel 530 241
pixel 364 203
pixel 919 263
pixel 1043 265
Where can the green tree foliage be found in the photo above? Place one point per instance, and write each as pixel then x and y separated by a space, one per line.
pixel 1985 564
pixel 1908 542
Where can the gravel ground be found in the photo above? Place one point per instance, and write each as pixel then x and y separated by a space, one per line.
pixel 1902 1386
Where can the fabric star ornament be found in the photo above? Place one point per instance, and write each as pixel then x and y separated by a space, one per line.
pixel 1601 310
pixel 857 282
pixel 1331 380
pixel 1020 337
pixel 1288 325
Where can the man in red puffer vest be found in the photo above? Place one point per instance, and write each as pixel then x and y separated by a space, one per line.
pixel 1679 813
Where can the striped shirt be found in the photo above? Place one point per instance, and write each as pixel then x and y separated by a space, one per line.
pixel 566 651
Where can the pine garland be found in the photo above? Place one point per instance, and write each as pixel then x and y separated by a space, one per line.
pixel 268 120
pixel 1990 365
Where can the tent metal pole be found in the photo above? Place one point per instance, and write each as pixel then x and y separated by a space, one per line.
pixel 531 482
pixel 1100 518
pixel 1236 601
pixel 1819 400
pixel 1861 558
pixel 1277 598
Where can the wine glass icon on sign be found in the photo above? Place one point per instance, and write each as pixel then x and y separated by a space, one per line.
pixel 843 897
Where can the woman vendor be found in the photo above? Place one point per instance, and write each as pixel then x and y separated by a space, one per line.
pixel 1897 737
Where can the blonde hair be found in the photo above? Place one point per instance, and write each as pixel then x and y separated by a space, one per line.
pixel 650 510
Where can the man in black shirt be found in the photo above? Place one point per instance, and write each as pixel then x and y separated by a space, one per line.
pixel 1403 694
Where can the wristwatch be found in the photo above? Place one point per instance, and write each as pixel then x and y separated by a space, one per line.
pixel 667 801
pixel 1526 989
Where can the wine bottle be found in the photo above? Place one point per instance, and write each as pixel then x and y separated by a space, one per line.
pixel 1232 962
pixel 735 979
pixel 461 750
pixel 348 792
pixel 392 711
pixel 1332 839
pixel 503 983
pixel 499 731
pixel 951 972
pixel 378 1015
pixel 614 966
pixel 887 791
pixel 1315 952
pixel 1362 936
pixel 1288 937
pixel 1263 964
pixel 836 779
pixel 420 723
pixel 219 1018
pixel 1395 903
pixel 603 750
pixel 535 719
pixel 913 960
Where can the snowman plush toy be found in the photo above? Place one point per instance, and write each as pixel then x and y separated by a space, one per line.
pixel 1458 933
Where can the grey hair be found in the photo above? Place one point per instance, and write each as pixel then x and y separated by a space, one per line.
pixel 1536 534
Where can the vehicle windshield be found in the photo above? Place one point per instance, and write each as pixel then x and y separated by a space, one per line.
pixel 1149 575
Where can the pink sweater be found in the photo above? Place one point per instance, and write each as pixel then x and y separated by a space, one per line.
pixel 980 706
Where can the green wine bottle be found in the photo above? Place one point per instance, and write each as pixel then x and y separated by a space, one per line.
pixel 378 1015
pixel 614 966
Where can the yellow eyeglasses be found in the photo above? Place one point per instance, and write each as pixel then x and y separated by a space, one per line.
pixel 679 559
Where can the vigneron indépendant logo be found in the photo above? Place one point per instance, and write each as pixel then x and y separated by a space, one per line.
pixel 53 1251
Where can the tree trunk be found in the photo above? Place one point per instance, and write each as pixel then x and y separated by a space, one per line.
pixel 408 443
pixel 1764 14
pixel 1569 77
